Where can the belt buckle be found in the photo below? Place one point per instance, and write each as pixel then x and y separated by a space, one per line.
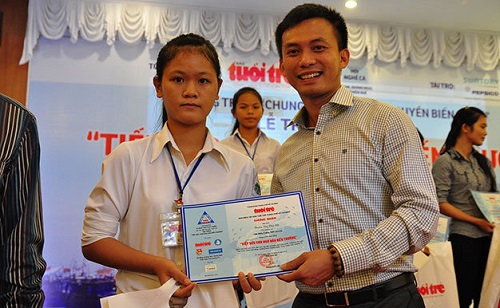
pixel 346 301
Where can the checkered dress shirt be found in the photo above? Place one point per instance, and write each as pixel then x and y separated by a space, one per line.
pixel 367 188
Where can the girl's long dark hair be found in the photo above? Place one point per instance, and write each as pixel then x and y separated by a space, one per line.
pixel 468 116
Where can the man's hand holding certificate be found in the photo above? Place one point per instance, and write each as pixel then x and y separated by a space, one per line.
pixel 254 235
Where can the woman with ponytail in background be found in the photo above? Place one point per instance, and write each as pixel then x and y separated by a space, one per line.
pixel 459 169
pixel 246 137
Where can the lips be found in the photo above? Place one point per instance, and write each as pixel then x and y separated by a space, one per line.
pixel 190 105
pixel 310 75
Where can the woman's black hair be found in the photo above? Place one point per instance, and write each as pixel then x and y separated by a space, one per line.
pixel 422 139
pixel 179 44
pixel 468 116
pixel 236 96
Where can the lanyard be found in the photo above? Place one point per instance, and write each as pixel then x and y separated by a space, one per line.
pixel 245 147
pixel 178 203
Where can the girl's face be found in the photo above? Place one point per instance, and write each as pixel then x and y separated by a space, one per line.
pixel 248 110
pixel 477 133
pixel 189 88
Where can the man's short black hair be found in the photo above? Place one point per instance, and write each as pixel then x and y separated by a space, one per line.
pixel 307 11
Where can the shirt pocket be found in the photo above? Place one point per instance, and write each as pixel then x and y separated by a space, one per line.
pixel 461 177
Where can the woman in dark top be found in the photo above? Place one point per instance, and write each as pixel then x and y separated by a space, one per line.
pixel 458 170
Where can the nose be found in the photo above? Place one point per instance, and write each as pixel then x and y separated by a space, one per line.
pixel 307 58
pixel 190 90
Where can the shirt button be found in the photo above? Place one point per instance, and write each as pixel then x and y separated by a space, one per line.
pixel 316 160
pixel 330 284
pixel 318 132
pixel 320 220
pixel 317 189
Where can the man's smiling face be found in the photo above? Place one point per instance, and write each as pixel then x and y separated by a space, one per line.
pixel 312 62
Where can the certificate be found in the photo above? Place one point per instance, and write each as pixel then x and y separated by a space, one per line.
pixel 489 204
pixel 442 230
pixel 254 235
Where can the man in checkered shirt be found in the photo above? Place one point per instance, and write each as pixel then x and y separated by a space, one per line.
pixel 369 195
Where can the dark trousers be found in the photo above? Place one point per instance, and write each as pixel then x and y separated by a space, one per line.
pixel 470 256
pixel 406 296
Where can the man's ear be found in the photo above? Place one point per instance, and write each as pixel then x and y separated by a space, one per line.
pixel 345 55
pixel 282 68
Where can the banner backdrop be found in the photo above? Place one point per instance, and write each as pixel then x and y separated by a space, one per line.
pixel 89 97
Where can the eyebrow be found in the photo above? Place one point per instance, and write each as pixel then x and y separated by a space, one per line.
pixel 313 41
pixel 180 72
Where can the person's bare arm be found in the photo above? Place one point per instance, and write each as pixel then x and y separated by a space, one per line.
pixel 111 252
pixel 448 209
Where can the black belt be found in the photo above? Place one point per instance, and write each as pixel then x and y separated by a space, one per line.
pixel 366 294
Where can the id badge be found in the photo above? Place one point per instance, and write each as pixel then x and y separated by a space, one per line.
pixel 171 229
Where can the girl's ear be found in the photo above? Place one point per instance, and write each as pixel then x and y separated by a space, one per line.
pixel 220 84
pixel 157 84
pixel 219 81
pixel 466 128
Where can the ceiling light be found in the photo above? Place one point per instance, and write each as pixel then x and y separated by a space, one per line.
pixel 350 4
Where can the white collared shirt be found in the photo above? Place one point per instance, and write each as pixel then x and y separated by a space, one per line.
pixel 138 183
pixel 266 150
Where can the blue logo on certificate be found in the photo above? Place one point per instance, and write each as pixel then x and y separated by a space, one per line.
pixel 214 251
pixel 205 219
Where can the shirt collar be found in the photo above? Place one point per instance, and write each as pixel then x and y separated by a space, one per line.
pixel 343 97
pixel 456 155
pixel 237 132
pixel 163 137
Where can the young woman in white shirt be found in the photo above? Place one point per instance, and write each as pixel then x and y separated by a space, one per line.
pixel 246 137
pixel 144 178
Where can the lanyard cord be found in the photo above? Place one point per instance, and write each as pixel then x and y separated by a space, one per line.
pixel 179 186
pixel 245 147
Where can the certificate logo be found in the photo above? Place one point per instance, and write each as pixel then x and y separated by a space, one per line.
pixel 215 251
pixel 205 219
pixel 199 251
pixel 218 242
pixel 266 260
